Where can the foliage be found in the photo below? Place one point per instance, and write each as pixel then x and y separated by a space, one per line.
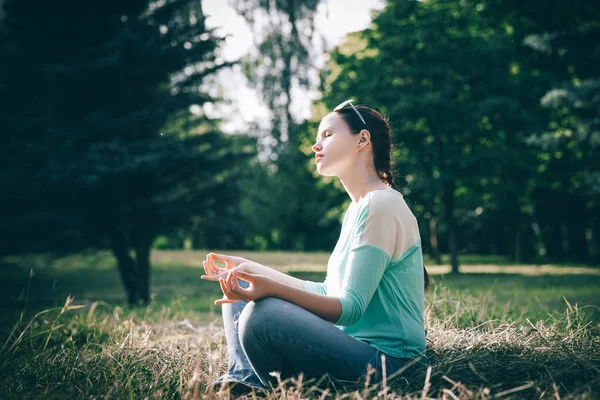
pixel 101 149
pixel 466 98
pixel 493 104
pixel 569 146
pixel 286 205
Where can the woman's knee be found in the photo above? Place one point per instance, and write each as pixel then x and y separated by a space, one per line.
pixel 261 317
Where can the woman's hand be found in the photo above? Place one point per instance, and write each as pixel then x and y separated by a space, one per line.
pixel 260 286
pixel 214 273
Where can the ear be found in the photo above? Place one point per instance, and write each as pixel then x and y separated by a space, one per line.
pixel 365 136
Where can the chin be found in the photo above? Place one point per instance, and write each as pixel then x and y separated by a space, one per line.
pixel 325 172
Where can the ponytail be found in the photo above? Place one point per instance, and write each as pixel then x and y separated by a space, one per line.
pixel 389 178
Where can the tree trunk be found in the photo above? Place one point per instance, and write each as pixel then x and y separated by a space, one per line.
pixel 576 233
pixel 448 197
pixel 433 240
pixel 127 266
pixel 142 253
pixel 593 236
pixel 517 254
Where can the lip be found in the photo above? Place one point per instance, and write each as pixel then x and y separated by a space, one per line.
pixel 318 157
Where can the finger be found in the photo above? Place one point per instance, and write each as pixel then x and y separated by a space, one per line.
pixel 212 278
pixel 207 270
pixel 225 301
pixel 234 283
pixel 229 296
pixel 219 257
pixel 230 281
pixel 223 286
pixel 227 290
pixel 211 263
pixel 209 267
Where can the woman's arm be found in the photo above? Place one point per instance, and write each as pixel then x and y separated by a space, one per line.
pixel 288 280
pixel 326 307
pixel 214 272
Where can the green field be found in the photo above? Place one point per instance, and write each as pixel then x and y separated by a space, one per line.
pixel 496 330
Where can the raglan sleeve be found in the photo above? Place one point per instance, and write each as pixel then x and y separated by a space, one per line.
pixel 371 251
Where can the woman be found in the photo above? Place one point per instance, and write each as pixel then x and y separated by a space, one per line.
pixel 371 303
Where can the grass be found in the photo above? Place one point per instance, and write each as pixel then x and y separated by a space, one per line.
pixel 66 332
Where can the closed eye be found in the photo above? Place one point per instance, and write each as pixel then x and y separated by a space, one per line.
pixel 327 135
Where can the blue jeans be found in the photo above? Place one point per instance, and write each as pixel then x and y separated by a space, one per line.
pixel 274 335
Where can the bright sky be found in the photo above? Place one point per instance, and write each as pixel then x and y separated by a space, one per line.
pixel 334 19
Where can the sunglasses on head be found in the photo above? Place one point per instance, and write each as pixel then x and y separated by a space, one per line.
pixel 344 104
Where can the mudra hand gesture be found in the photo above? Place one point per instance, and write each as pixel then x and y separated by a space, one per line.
pixel 236 268
pixel 214 273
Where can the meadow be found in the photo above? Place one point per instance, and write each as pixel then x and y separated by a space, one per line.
pixel 496 331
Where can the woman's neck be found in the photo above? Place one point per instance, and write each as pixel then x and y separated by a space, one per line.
pixel 358 188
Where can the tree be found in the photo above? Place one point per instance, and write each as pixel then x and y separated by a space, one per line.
pixel 102 150
pixel 446 73
pixel 297 213
pixel 569 147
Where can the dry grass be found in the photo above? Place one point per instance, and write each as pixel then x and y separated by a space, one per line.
pixel 102 351
pixel 499 331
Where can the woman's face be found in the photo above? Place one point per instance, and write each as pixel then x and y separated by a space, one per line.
pixel 336 144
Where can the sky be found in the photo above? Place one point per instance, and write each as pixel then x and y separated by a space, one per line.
pixel 334 19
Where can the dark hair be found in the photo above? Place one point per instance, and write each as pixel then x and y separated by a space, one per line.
pixel 381 138
pixel 381 143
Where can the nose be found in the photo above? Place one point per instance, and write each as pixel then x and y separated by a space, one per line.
pixel 316 147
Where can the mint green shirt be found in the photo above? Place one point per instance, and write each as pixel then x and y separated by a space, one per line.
pixel 376 272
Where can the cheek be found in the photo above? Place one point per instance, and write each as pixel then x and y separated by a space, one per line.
pixel 339 149
pixel 336 145
pixel 336 155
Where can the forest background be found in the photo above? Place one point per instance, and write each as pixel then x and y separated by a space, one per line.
pixel 108 144
pixel 120 171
